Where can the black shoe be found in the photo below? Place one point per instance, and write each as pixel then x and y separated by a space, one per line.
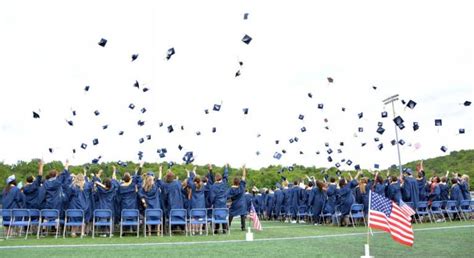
pixel 243 229
pixel 224 232
pixel 216 232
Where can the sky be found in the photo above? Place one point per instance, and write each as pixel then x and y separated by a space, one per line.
pixel 421 50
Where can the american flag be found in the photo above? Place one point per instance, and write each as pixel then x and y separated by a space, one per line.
pixel 386 215
pixel 254 217
pixel 407 209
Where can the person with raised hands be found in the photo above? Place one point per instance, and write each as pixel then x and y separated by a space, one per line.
pixel 236 194
pixel 345 197
pixel 31 189
pixel 218 194
pixel 150 193
pixel 54 188
pixel 198 200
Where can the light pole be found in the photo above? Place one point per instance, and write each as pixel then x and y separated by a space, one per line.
pixel 387 101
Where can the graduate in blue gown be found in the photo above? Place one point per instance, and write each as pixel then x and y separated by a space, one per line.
pixel 218 194
pixel 286 198
pixel 279 198
pixel 236 194
pixel 393 190
pixel 106 192
pixel 295 193
pixel 345 197
pixel 434 190
pixel 78 193
pixel 330 207
pixel 150 193
pixel 128 191
pixel 198 200
pixel 444 189
pixel 317 199
pixel 172 194
pixel 362 194
pixel 55 189
pixel 12 198
pixel 410 189
pixel 31 190
pixel 269 203
pixel 455 192
pixel 464 185
pixel 421 181
pixel 378 185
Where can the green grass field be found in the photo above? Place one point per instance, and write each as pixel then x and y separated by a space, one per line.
pixel 276 240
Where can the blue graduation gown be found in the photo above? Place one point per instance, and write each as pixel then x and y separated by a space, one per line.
pixel 127 195
pixel 379 188
pixel 152 197
pixel 411 187
pixel 345 197
pixel 330 206
pixel 422 189
pixel 435 193
pixel 106 197
pixel 464 186
pixel 198 200
pixel 258 203
pixel 294 200
pixel 218 194
pixel 363 198
pixel 394 192
pixel 249 201
pixel 456 194
pixel 172 196
pixel 316 201
pixel 444 192
pixel 31 192
pixel 80 199
pixel 13 199
pixel 286 200
pixel 55 191
pixel 239 204
pixel 279 199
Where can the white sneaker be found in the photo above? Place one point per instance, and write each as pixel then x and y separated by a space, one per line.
pixel 302 222
pixel 293 222
pixel 316 224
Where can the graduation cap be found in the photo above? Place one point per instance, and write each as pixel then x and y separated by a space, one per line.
pixel 277 155
pixel 341 144
pixel 246 16
pixel 214 129
pixel 374 87
pixel 237 74
pixel 403 102
pixel 136 84
pixel 283 151
pixel 35 115
pixel 105 127
pixel 296 139
pixel 376 139
pixel 401 142
pixel 416 126
pixel 241 63
pixel 343 160
pixel 327 127
pixel 411 104
pixel 384 114
pixel 188 157
pixel 97 112
pixel 444 149
pixel 363 144
pixel 257 153
pixel 343 109
pixel 317 153
pixel 206 111
pixel 339 151
pixel 141 123
pixel 398 120
pixel 301 152
pixel 360 115
pixel 467 103
pixel 329 159
pixel 84 146
pixel 73 150
pixel 401 126
pixel 180 147
pixel 121 163
pixel 326 144
pixel 121 133
pixel 376 166
pixel 216 107
pixel 303 129
pixel 349 162
pixel 95 141
pixel 310 94
pixel 170 129
pixel 148 137
pixel 161 124
pixel 96 160
pixel 357 167
pixel 320 106
pixel 198 133
pixel 182 128
pixel 379 124
pixel 74 112
pixel 361 129
pixel 141 140
pixel 246 39
pixel 338 165
pixel 291 140
pixel 438 122
pixel 70 122
pixel 461 130
pixel 102 42
pixel 131 106
pixel 329 151
pixel 393 142
pixel 143 110
pixel 50 150
pixel 134 57
pixel 246 111
pixel 380 130
pixel 145 89
pixel 170 53
pixel 290 168
pixel 277 141
pixel 162 155
pixel 87 88
pixel 301 117
pixel 330 80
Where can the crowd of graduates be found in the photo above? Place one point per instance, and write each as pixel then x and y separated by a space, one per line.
pixel 138 190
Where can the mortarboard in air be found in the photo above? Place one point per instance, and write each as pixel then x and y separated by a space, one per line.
pixel 148 137
pixel 141 140
pixel 206 111
pixel 329 159
pixel 277 141
pixel 376 166
pixel 257 153
pixel 403 102
pixel 161 124
pixel 182 128
pixel 96 160
pixel 277 155
pixel 145 89
pixel 188 157
pixel 416 126
pixel 246 39
pixel 338 165
pixel 438 122
pixel 143 110
pixel 374 87
pixel 241 63
pixel 327 127
pixel 349 162
pixel 343 160
pixel 290 168
pixel 131 106
pixel 341 143
pixel 467 103
pixel 360 115
pixel 121 163
pixel 283 151
pixel 303 129
pixel 237 74
pixel 343 109
pixel 214 129
pixel 363 144
pixel 461 130
pixel 170 53
pixel 180 147
pixel 338 173
pixel 411 104
pixel 87 88
pixel 329 151
pixel 444 149
pixel 70 122
pixel 398 120
pixel 121 133
pixel 379 124
pixel 291 140
pixel 216 107
pixel 246 16
pixel 246 111
pixel 301 117
pixel 376 139
pixel 170 129
pixel 50 150
pixel 162 155
pixel 170 164
pixel 102 42
pixel 95 141
pixel 330 80
pixel 326 144
pixel 84 146
pixel 136 84
pixel 198 133
pixel 401 126
pixel 301 152
pixel 74 112
pixel 320 106
pixel 134 57
pixel 97 112
pixel 393 142
pixel 105 127
pixel 380 130
pixel 384 114
pixel 317 153
pixel 140 123
pixel 401 142
pixel 357 167
pixel 73 150
pixel 296 139
pixel 361 129
pixel 310 94
pixel 339 151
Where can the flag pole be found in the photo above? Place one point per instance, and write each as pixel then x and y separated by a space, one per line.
pixel 366 246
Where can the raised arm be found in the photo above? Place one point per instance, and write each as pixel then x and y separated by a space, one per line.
pixel 160 172
pixel 226 173
pixel 244 172
pixel 114 172
pixel 40 167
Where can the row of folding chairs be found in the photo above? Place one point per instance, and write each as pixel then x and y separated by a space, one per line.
pixel 442 209
pixel 21 219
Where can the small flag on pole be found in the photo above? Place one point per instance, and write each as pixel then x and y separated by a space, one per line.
pixel 254 217
pixel 386 215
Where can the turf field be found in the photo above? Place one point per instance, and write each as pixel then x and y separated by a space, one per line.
pixel 454 239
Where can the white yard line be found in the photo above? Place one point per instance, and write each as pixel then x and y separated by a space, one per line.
pixel 217 241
